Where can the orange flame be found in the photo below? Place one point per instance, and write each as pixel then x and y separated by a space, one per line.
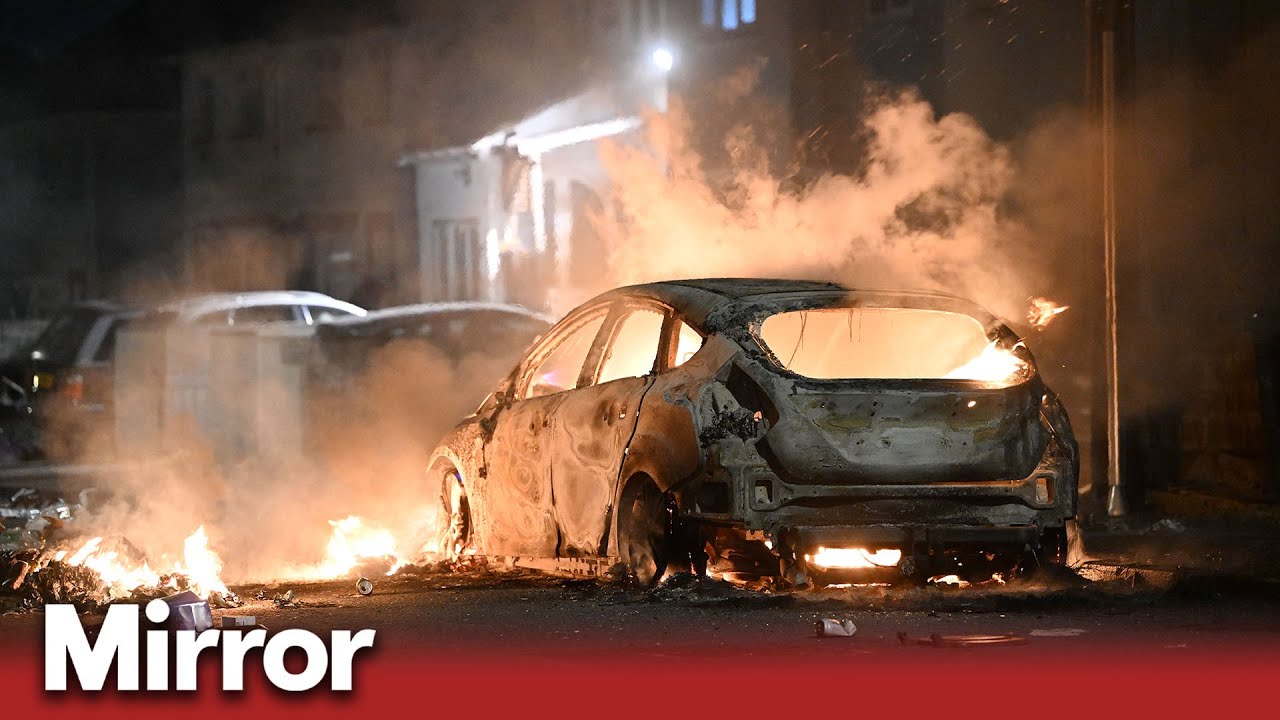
pixel 200 566
pixel 1043 311
pixel 119 576
pixel 993 365
pixel 352 543
pixel 854 558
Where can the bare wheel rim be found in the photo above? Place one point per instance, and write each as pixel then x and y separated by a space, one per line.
pixel 644 533
pixel 456 506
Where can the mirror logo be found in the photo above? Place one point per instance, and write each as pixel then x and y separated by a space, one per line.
pixel 118 643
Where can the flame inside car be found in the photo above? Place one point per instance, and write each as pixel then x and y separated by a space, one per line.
pixel 993 365
pixel 886 343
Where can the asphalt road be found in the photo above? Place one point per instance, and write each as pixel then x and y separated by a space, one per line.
pixel 537 615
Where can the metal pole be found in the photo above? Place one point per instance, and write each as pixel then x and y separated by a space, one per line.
pixel 1115 487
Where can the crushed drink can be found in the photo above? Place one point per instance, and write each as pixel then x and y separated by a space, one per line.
pixel 364 586
pixel 830 627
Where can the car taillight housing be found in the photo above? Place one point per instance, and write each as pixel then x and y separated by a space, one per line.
pixel 72 388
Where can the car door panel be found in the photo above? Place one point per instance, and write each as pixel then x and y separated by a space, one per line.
pixel 520 455
pixel 595 423
pixel 518 458
pixel 593 427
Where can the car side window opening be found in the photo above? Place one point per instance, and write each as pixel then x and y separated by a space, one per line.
pixel 558 371
pixel 688 342
pixel 215 318
pixel 107 348
pixel 325 314
pixel 263 314
pixel 634 347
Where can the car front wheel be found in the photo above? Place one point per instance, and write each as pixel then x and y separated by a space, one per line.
pixel 456 538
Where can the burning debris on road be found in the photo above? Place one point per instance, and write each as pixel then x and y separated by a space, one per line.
pixel 48 555
pixel 46 561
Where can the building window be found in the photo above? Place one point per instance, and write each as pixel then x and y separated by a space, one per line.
pixel 728 14
pixel 460 259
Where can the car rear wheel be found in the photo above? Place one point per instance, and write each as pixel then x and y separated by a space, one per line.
pixel 644 539
pixel 456 540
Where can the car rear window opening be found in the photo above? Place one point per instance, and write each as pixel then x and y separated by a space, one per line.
pixel 888 343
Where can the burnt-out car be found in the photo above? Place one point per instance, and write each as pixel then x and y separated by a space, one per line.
pixel 788 429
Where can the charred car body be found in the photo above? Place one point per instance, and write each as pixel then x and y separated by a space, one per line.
pixel 770 428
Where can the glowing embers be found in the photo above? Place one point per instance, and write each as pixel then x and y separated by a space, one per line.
pixel 853 558
pixel 1043 311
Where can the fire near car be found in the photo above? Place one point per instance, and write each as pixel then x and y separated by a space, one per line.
pixel 770 428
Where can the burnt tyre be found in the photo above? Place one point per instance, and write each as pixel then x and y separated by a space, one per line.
pixel 1052 560
pixel 456 540
pixel 644 538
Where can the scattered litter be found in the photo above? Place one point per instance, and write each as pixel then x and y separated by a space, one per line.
pixel 1059 632
pixel 231 622
pixel 188 612
pixel 225 600
pixel 829 627
pixel 285 600
pixel 1168 525
pixel 937 640
pixel 364 586
pixel 948 581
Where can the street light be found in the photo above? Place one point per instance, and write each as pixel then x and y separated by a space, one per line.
pixel 663 58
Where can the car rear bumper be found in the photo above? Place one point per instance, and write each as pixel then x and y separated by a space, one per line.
pixel 748 495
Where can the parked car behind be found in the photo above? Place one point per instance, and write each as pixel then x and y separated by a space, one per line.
pixel 769 428
pixel 383 388
pixel 243 308
pixel 347 345
pixel 65 377
pixel 165 365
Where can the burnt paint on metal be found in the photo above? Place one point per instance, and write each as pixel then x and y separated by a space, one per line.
pixel 861 453
pixel 592 430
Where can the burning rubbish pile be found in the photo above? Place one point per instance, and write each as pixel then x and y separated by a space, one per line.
pixel 44 560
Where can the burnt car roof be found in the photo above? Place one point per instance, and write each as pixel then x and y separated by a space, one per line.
pixel 712 302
